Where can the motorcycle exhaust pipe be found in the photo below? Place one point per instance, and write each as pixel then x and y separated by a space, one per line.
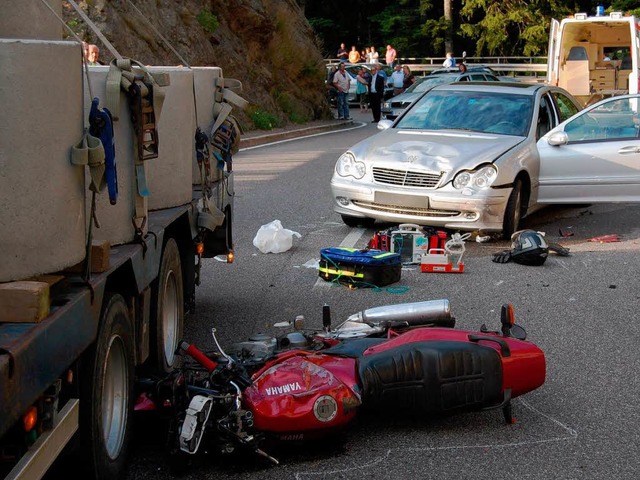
pixel 432 312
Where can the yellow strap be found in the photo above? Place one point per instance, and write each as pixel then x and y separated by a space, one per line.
pixel 344 273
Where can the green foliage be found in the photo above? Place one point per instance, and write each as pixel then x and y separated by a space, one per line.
pixel 290 107
pixel 509 27
pixel 208 21
pixel 417 28
pixel 263 120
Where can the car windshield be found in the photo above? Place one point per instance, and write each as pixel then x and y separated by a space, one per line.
pixel 486 112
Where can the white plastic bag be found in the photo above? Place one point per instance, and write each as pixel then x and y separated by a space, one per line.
pixel 273 238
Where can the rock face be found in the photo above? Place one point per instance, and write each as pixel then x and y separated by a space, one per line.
pixel 267 44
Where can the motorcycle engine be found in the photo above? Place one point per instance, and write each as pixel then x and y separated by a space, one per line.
pixel 259 348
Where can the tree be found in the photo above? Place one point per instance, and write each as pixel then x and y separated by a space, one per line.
pixel 510 27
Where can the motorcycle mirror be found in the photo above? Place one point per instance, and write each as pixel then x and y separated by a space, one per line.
pixel 518 332
pixel 507 319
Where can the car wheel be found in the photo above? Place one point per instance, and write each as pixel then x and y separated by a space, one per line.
pixel 513 212
pixel 356 221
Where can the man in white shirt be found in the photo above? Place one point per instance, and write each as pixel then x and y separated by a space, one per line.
pixel 397 80
pixel 449 61
pixel 342 82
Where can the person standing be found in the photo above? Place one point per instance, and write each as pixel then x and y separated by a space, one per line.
pixel 449 61
pixel 397 80
pixel 374 55
pixel 342 82
pixel 331 89
pixel 390 56
pixel 376 92
pixel 409 78
pixel 362 89
pixel 354 55
pixel 343 55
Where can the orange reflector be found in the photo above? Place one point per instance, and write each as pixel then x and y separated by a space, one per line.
pixel 510 315
pixel 199 248
pixel 30 419
pixel 231 256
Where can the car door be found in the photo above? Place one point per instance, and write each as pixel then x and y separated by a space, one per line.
pixel 594 156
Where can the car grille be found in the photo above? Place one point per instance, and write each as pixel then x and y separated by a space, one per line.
pixel 406 178
pixel 404 210
pixel 400 104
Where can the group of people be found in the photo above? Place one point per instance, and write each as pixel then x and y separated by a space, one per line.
pixel 368 55
pixel 370 87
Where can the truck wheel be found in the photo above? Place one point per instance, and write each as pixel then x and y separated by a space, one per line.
pixel 107 392
pixel 513 212
pixel 167 310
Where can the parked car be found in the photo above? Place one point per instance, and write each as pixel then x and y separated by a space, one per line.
pixel 394 106
pixel 477 69
pixel 470 156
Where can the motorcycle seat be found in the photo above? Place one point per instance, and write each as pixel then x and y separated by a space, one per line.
pixel 353 348
pixel 432 377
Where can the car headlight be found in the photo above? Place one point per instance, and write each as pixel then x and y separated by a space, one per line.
pixel 481 178
pixel 386 105
pixel 348 166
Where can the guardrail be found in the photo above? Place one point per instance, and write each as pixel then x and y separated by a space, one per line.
pixel 533 66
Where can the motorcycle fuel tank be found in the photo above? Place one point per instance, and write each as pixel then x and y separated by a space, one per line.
pixel 303 394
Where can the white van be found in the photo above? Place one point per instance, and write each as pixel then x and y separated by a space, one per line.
pixel 594 57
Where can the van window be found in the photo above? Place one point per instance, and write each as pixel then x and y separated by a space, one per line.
pixel 577 53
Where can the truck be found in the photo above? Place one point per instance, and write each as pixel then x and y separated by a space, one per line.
pixel 594 57
pixel 112 192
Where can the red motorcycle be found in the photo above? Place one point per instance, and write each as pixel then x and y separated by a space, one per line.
pixel 401 358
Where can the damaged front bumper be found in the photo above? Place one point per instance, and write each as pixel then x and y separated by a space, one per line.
pixel 446 207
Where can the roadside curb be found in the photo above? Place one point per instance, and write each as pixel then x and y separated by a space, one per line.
pixel 253 140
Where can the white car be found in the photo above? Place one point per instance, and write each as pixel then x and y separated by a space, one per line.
pixel 480 156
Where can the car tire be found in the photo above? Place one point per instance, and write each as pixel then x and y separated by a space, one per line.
pixel 513 212
pixel 357 221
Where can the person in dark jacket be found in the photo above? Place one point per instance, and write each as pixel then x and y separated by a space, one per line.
pixel 376 92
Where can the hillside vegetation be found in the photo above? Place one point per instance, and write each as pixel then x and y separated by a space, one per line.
pixel 267 44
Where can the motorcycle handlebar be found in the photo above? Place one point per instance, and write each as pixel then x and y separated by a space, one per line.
pixel 198 356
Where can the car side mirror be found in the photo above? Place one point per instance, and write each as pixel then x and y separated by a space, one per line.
pixel 558 138
pixel 384 124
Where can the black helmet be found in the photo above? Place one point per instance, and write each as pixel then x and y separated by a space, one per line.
pixel 529 247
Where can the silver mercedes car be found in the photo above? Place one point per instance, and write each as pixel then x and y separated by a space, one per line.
pixel 480 156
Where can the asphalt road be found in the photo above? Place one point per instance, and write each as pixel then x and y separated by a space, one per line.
pixel 583 423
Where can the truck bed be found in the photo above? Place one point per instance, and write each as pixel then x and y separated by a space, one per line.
pixel 34 355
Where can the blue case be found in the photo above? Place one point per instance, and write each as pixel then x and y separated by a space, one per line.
pixel 359 268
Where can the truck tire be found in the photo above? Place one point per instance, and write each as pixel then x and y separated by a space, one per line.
pixel 107 382
pixel 167 310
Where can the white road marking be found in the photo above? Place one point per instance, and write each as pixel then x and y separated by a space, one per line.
pixel 357 125
pixel 567 434
pixel 349 241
